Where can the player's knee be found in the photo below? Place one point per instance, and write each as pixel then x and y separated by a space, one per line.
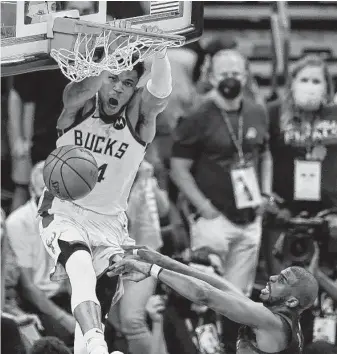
pixel 78 253
pixel 77 262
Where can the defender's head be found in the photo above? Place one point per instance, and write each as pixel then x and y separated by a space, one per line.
pixel 294 287
pixel 228 73
pixel 117 90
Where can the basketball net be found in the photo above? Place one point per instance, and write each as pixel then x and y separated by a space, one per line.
pixel 108 48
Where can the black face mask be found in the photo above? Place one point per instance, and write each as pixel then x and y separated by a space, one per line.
pixel 230 88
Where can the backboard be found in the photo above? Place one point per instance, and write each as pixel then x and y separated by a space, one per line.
pixel 25 45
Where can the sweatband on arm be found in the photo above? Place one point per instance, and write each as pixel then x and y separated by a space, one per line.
pixel 155 271
pixel 160 84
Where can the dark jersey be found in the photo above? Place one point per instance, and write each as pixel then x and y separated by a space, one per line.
pixel 246 343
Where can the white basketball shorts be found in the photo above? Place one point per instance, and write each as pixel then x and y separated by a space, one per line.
pixel 103 234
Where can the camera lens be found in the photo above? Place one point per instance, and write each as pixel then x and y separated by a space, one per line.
pixel 299 247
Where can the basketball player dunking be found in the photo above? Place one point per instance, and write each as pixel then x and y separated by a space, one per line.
pixel 270 327
pixel 115 120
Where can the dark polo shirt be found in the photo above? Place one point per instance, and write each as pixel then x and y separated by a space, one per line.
pixel 286 147
pixel 203 137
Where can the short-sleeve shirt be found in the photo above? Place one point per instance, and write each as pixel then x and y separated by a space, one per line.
pixel 203 137
pixel 24 237
pixel 290 144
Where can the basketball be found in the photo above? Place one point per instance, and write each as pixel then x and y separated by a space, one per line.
pixel 70 172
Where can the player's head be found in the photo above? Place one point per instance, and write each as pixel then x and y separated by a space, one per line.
pixel 117 90
pixel 49 345
pixel 228 73
pixel 294 287
pixel 36 184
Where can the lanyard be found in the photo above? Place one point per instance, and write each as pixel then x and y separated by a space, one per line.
pixel 237 141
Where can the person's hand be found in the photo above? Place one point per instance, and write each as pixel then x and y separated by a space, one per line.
pixel 209 211
pixel 131 269
pixel 284 215
pixel 314 263
pixel 268 205
pixel 148 255
pixel 27 319
pixel 68 322
pixel 332 220
pixel 155 307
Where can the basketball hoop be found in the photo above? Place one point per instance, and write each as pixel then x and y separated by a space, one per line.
pixel 83 49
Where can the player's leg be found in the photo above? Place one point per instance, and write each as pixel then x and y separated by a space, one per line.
pixel 77 261
pixel 68 245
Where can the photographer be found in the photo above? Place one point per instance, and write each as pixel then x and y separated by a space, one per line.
pixel 303 143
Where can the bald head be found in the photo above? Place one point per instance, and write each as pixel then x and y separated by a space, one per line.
pixel 228 55
pixel 305 288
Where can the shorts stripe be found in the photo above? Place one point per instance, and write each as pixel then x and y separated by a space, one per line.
pixel 46 204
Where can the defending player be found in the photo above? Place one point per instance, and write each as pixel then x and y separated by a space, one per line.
pixel 114 120
pixel 270 327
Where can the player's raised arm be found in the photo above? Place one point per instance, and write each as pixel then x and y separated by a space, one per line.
pixel 168 263
pixel 155 95
pixel 237 308
pixel 75 96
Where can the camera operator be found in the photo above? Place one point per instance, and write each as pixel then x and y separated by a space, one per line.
pixel 303 143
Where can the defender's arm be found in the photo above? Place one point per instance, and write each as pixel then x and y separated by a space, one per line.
pixel 237 308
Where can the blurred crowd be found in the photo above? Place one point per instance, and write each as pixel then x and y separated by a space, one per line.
pixel 188 202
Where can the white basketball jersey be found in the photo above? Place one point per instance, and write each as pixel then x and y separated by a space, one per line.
pixel 118 152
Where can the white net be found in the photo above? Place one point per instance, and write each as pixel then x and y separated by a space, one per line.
pixel 118 52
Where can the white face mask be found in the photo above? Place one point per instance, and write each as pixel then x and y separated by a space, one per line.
pixel 309 89
pixel 307 96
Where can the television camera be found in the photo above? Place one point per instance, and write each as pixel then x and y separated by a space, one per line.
pixel 295 245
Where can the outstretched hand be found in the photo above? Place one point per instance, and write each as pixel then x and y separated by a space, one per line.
pixel 131 250
pixel 130 269
pixel 148 255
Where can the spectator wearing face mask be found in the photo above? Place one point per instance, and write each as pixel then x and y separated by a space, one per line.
pixel 203 84
pixel 50 300
pixel 303 139
pixel 215 165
